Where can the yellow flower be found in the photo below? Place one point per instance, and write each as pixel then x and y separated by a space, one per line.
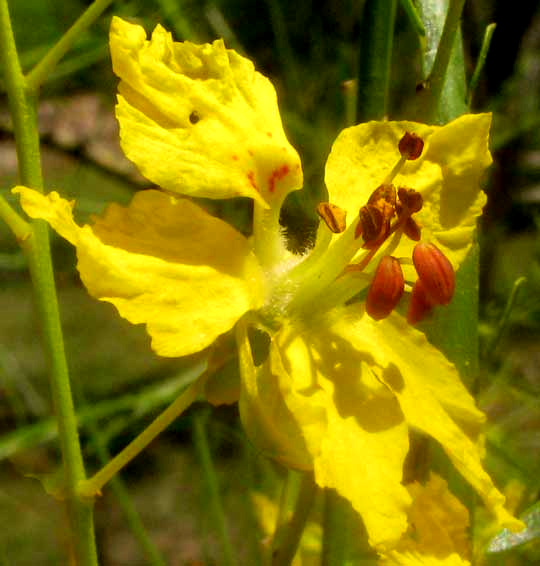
pixel 438 524
pixel 335 391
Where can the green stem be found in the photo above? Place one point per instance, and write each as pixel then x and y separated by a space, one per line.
pixel 39 74
pixel 486 42
pixel 414 18
pixel 20 228
pixel 375 59
pixel 36 246
pixel 268 240
pixel 121 494
pixel 200 438
pixel 503 322
pixel 430 98
pixel 284 555
pixel 93 485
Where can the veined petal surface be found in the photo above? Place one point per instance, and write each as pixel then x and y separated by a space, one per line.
pixel 429 392
pixel 437 534
pixel 162 261
pixel 198 119
pixel 447 174
pixel 349 426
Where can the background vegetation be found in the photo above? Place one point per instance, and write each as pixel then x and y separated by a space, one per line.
pixel 309 53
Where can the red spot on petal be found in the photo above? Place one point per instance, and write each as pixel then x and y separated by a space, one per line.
pixel 269 134
pixel 277 175
pixel 250 151
pixel 235 157
pixel 251 179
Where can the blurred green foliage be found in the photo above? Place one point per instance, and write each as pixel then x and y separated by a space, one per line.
pixel 308 52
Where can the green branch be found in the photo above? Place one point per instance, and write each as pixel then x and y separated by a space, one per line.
pixel 37 248
pixel 39 74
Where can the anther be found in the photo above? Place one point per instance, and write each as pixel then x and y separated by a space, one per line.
pixel 420 305
pixel 436 273
pixel 333 216
pixel 410 146
pixel 412 230
pixel 411 200
pixel 386 288
pixel 385 193
pixel 371 224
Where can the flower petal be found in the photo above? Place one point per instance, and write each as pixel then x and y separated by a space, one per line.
pixel 316 388
pixel 162 261
pixel 430 394
pixel 198 119
pixel 438 533
pixel 280 422
pixel 362 450
pixel 448 175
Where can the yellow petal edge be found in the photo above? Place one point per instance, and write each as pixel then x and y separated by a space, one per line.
pixel 198 119
pixel 448 175
pixel 162 261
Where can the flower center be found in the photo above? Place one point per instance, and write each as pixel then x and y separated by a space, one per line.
pixel 335 271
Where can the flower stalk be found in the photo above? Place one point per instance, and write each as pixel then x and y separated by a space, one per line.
pixel 38 75
pixel 34 240
pixel 92 486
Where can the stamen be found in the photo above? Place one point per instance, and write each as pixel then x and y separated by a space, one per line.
pixel 412 229
pixel 386 288
pixel 436 273
pixel 395 170
pixel 411 146
pixel 333 216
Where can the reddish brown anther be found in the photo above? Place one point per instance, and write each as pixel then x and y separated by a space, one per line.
pixel 436 273
pixel 370 224
pixel 386 288
pixel 383 195
pixel 412 230
pixel 333 216
pixel 411 200
pixel 420 305
pixel 411 146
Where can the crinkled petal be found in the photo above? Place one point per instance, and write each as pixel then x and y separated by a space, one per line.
pixel 315 404
pixel 198 119
pixel 438 532
pixel 280 421
pixel 448 175
pixel 430 394
pixel 362 449
pixel 163 262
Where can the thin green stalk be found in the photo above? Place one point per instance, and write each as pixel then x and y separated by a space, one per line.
pixel 429 101
pixel 23 111
pixel 284 555
pixel 93 485
pixel 139 404
pixel 121 494
pixel 503 322
pixel 39 74
pixel 228 556
pixel 377 35
pixel 414 18
pixel 486 42
pixel 20 228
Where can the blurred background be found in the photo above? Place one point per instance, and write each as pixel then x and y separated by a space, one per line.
pixel 309 53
